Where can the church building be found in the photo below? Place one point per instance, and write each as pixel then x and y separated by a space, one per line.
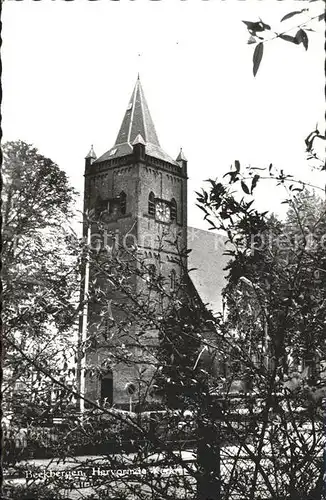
pixel 138 193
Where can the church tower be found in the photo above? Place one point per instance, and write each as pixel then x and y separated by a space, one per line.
pixel 139 193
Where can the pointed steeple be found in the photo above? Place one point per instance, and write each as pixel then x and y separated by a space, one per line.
pixel 137 127
pixel 90 158
pixel 91 153
pixel 181 156
pixel 139 140
pixel 137 120
pixel 182 161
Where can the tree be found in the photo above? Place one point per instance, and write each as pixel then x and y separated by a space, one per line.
pixel 275 425
pixel 278 439
pixel 270 439
pixel 39 276
pixel 275 296
pixel 104 426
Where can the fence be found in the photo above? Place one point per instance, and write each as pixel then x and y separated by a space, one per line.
pixel 217 449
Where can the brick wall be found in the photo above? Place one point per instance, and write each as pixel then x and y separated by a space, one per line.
pixel 137 180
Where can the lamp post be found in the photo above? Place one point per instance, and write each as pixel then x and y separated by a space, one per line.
pixel 83 333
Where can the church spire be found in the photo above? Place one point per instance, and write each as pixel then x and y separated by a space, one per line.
pixel 90 158
pixel 137 128
pixel 91 153
pixel 137 120
pixel 181 156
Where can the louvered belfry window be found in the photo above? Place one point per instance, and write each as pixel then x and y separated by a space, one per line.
pixel 173 209
pixel 151 204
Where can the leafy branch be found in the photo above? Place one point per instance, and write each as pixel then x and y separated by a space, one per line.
pixel 301 36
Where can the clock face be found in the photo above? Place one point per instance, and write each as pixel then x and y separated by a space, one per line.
pixel 162 211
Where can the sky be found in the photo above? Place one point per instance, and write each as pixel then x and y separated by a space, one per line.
pixel 69 69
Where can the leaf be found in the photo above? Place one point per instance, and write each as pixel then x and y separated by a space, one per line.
pixel 254 182
pixel 302 37
pixel 291 14
pixel 289 38
pixel 245 187
pixel 321 17
pixel 237 165
pixel 251 25
pixel 256 26
pixel 249 204
pixel 258 54
pixel 211 223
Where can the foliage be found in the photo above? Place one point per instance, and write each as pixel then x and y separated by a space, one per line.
pixel 241 394
pixel 275 297
pixel 178 380
pixel 36 241
pixel 39 280
pixel 33 492
pixel 274 429
pixel 298 35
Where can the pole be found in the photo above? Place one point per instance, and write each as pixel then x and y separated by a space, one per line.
pixel 84 327
pixel 209 454
pixel 266 343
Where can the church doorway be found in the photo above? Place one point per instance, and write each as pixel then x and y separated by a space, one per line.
pixel 107 387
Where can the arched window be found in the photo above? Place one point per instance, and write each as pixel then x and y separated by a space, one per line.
pixel 151 204
pixel 173 279
pixel 107 387
pixel 123 202
pixel 173 209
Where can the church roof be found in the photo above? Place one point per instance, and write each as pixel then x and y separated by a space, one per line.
pixel 208 262
pixel 137 121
